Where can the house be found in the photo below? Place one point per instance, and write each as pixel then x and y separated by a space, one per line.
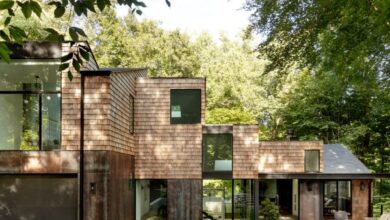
pixel 116 144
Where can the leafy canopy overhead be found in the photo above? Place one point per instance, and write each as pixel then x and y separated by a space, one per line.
pixel 12 32
pixel 351 36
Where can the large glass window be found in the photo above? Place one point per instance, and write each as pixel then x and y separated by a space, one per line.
pixel 217 199
pixel 244 199
pixel 30 112
pixel 312 160
pixel 337 197
pixel 217 152
pixel 185 106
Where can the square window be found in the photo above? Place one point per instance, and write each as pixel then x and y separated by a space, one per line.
pixel 185 106
pixel 312 160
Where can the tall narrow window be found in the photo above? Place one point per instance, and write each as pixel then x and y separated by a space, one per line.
pixel 185 106
pixel 30 109
pixel 312 161
pixel 131 114
pixel 217 152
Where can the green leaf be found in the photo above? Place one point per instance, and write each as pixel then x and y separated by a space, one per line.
pixel 140 4
pixel 36 8
pixel 66 57
pixel 4 36
pixel 139 12
pixel 59 11
pixel 70 75
pixel 78 8
pixel 26 9
pixel 101 4
pixel 63 66
pixel 84 53
pixel 168 3
pixel 76 64
pixel 17 33
pixel 11 12
pixel 90 6
pixel 5 52
pixel 53 35
pixel 6 5
pixel 7 21
pixel 73 34
pixel 65 2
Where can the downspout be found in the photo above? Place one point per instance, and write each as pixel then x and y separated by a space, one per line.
pixel 81 169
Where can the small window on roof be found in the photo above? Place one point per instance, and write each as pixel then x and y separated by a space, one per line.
pixel 312 161
pixel 185 106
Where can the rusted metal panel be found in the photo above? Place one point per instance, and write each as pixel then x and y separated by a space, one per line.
pixel 185 199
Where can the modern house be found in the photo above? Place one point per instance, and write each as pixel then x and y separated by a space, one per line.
pixel 140 149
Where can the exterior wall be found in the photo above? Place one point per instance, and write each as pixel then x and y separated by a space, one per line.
pixel 110 172
pixel 166 151
pixel 310 200
pixel 70 104
pixel 245 151
pixel 360 199
pixel 97 100
pixel 24 162
pixel 286 156
pixel 122 86
pixel 185 199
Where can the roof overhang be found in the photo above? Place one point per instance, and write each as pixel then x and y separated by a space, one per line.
pixel 324 176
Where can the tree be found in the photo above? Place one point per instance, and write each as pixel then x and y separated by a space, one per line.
pixel 14 32
pixel 340 36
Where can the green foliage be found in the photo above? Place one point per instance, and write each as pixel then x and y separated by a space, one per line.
pixel 229 116
pixel 10 9
pixel 269 210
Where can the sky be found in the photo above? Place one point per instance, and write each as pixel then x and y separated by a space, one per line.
pixel 196 16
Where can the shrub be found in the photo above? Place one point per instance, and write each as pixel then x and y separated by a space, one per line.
pixel 269 210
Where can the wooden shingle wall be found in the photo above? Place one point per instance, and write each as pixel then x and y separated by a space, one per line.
pixel 166 151
pixel 286 156
pixel 122 87
pixel 245 151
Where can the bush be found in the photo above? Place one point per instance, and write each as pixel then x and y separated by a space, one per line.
pixel 269 210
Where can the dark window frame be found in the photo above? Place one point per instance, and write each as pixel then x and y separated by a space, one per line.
pixel 319 160
pixel 131 114
pixel 337 193
pixel 40 93
pixel 200 107
pixel 216 174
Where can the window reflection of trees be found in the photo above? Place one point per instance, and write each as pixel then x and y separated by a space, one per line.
pixel 30 105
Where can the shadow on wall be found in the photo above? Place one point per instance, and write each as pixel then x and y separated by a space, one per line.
pixel 38 197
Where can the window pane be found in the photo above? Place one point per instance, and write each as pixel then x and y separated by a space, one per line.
pixel 151 199
pixel 19 117
pixel 344 196
pixel 217 199
pixel 243 199
pixel 131 115
pixel 217 152
pixel 185 106
pixel 330 197
pixel 312 158
pixel 30 75
pixel 51 121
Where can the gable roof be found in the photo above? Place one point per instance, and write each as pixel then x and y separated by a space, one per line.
pixel 339 160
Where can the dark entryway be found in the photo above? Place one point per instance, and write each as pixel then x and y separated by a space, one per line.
pixel 285 196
